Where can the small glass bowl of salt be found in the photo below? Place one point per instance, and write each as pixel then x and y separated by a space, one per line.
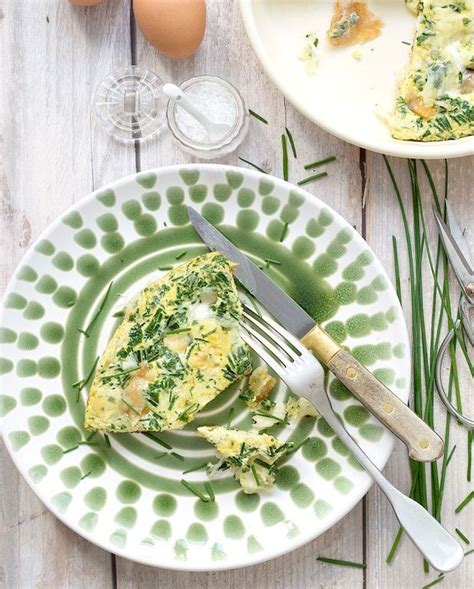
pixel 220 103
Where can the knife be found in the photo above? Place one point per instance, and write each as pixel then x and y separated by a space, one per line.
pixel 423 443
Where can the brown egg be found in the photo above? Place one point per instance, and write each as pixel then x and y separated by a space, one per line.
pixel 175 27
pixel 85 2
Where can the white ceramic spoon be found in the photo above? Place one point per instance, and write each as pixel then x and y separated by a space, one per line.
pixel 214 130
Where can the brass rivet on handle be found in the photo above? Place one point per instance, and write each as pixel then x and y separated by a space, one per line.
pixel 388 408
pixel 351 372
pixel 423 443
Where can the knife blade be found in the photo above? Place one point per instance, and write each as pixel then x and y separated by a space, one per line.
pixel 423 443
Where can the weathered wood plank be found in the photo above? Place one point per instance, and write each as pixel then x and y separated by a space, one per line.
pixel 54 55
pixel 383 221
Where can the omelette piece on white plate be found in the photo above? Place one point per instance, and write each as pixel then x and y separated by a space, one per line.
pixel 436 99
pixel 177 348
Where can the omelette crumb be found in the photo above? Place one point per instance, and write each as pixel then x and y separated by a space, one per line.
pixel 250 456
pixel 352 23
pixel 269 413
pixel 260 385
pixel 309 54
pixel 297 407
pixel 357 54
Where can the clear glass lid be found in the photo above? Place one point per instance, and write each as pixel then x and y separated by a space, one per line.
pixel 130 105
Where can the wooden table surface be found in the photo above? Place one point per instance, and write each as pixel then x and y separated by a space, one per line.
pixel 53 56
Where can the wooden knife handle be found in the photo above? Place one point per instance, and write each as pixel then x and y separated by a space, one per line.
pixel 423 443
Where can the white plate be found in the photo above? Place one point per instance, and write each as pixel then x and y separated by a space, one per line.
pixel 344 95
pixel 126 497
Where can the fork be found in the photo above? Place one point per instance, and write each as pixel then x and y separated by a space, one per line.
pixel 303 374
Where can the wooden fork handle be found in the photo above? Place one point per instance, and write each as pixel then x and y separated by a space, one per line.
pixel 423 443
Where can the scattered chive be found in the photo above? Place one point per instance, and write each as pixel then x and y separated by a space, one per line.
pixel 47 19
pixel 117 374
pixel 165 268
pixel 176 455
pixel 344 563
pixel 255 475
pixel 181 255
pixel 469 552
pixel 435 582
pixel 463 537
pixel 318 163
pixel 118 314
pixel 71 449
pixel 284 149
pixel 470 438
pixel 284 231
pixel 195 491
pixel 257 116
pixel 230 416
pixel 262 463
pixel 208 333
pixel 395 544
pixel 90 436
pixel 80 384
pixel 297 446
pixel 131 407
pixel 450 455
pixel 270 261
pixel 292 143
pixel 396 264
pixel 195 468
pixel 311 178
pixel 178 330
pixel 253 165
pixel 406 43
pixel 158 441
pixel 86 475
pixel 160 456
pixel 83 332
pixel 187 410
pixel 210 490
pixel 107 441
pixel 86 443
pixel 270 416
pixel 464 502
pixel 87 331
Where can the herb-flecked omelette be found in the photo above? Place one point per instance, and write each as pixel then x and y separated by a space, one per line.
pixel 250 456
pixel 436 100
pixel 177 348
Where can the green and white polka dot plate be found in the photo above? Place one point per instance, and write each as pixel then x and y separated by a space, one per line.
pixel 123 492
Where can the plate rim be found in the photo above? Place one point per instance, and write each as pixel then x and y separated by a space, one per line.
pixel 462 147
pixel 219 565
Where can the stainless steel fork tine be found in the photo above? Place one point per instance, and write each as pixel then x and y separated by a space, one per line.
pixel 281 331
pixel 274 337
pixel 261 351
pixel 268 343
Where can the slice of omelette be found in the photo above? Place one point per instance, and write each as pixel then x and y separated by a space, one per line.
pixel 250 456
pixel 436 100
pixel 177 348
